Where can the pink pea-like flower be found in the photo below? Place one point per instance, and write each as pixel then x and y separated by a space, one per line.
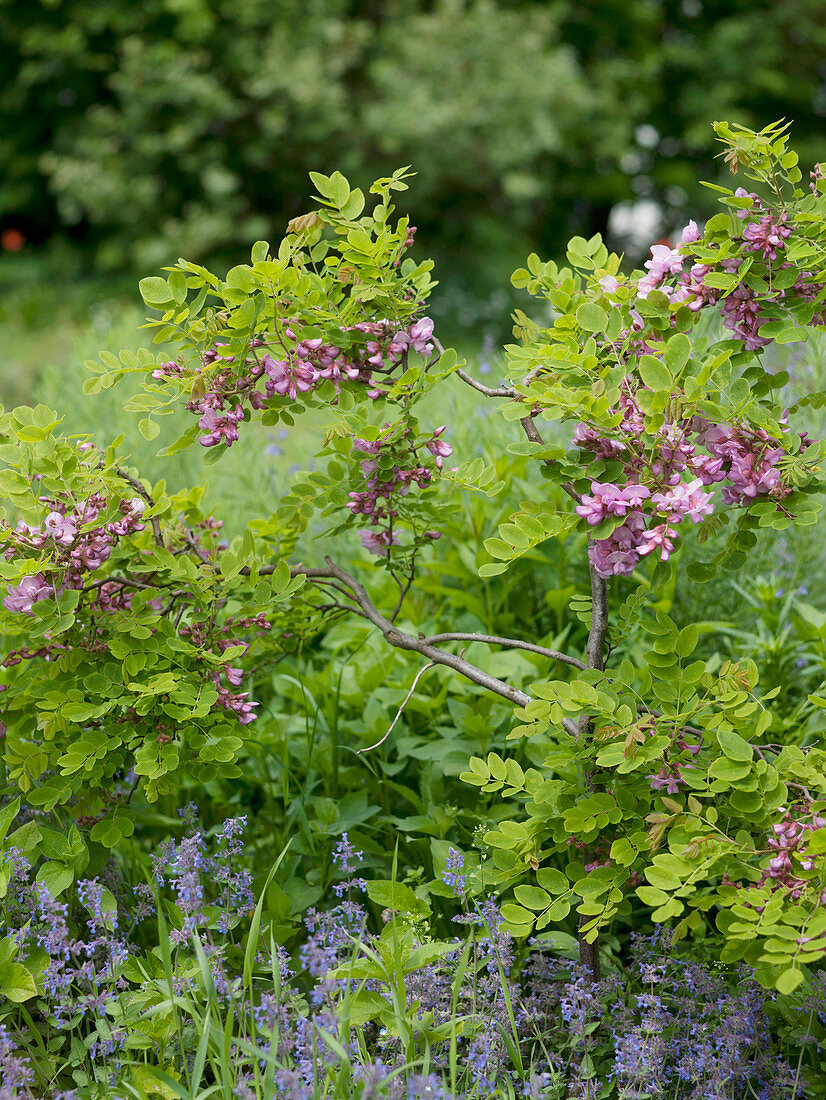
pixel 668 778
pixel 60 528
pixel 22 597
pixel 378 543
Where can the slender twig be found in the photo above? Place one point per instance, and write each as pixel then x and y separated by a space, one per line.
pixel 122 581
pixel 488 391
pixel 800 787
pixel 403 588
pixel 510 643
pixel 333 611
pixel 529 377
pixel 318 582
pixel 528 426
pixel 405 701
pixel 196 549
pixel 532 432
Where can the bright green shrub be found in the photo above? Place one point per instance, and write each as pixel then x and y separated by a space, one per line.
pixel 656 785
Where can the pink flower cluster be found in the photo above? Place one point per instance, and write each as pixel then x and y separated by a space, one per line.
pixel 667 483
pixel 298 367
pixel 670 776
pixel 637 537
pixel 655 498
pixel 668 779
pixel 742 309
pixel 768 235
pixel 22 597
pixel 219 425
pixel 748 461
pixel 76 542
pixel 239 702
pixel 385 482
pixel 789 844
pixel 17 656
pixel 170 369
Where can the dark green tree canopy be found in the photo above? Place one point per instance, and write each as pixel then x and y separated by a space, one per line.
pixel 185 126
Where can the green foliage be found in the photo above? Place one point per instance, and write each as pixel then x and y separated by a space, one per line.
pixel 124 694
pixel 564 775
pixel 200 102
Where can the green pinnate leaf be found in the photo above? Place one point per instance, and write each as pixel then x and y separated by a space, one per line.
pixel 532 897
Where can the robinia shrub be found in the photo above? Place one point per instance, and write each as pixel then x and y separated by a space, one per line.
pixel 138 627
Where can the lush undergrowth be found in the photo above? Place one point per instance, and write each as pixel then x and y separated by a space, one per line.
pixel 233 925
pixel 316 909
pixel 176 985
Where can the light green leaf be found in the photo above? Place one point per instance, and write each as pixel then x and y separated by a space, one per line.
pixel 532 897
pixel 654 373
pixel 16 982
pixel 734 746
pixel 788 980
pixel 148 428
pixel 155 292
pixel 591 317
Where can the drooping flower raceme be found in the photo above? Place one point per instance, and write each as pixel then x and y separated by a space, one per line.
pixel 291 366
pixel 77 538
pixel 393 466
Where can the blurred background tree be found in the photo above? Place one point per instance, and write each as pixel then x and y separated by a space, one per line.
pixel 133 133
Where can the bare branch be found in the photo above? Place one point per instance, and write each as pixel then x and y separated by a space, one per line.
pixel 125 582
pixel 426 646
pixel 510 643
pixel 528 426
pixel 488 391
pixel 405 701
pixel 401 640
pixel 594 658
pixel 595 650
pixel 571 727
pixel 532 432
